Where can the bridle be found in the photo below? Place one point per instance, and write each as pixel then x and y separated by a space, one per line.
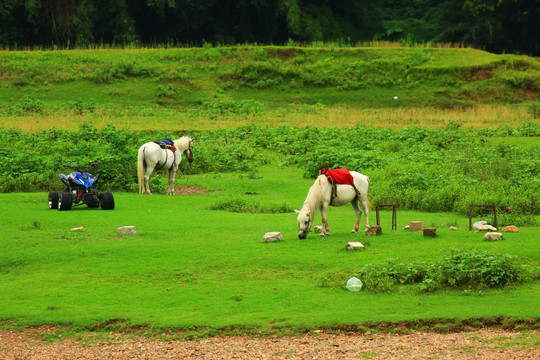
pixel 308 228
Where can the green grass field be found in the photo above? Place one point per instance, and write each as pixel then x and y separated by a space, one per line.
pixel 206 272
pixel 189 266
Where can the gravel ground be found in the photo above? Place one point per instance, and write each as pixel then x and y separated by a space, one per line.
pixel 481 344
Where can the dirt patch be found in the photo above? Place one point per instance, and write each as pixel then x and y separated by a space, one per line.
pixel 482 344
pixel 189 190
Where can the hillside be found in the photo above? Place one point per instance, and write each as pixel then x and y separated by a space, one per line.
pixel 267 85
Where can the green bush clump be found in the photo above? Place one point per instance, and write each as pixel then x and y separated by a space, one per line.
pixel 476 270
pixel 456 269
pixel 385 276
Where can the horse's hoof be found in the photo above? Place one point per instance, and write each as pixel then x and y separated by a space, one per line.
pixel 321 235
pixel 353 231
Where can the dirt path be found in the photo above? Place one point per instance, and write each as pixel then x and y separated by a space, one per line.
pixel 481 344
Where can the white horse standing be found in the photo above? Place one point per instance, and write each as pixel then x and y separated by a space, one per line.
pixel 152 157
pixel 320 196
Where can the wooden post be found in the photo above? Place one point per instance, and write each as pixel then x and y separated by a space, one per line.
pixel 394 214
pixel 494 207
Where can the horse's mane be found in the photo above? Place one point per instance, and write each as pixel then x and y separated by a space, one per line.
pixel 182 144
pixel 314 198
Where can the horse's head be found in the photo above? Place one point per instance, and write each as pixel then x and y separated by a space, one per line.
pixel 304 223
pixel 189 151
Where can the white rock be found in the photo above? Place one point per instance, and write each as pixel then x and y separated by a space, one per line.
pixel 486 228
pixel 355 246
pixel 127 230
pixel 453 228
pixel 78 229
pixel 493 236
pixel 477 224
pixel 272 237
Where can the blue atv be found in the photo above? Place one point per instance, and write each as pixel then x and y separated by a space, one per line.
pixel 78 191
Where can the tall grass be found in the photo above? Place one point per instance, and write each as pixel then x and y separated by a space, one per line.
pixel 476 117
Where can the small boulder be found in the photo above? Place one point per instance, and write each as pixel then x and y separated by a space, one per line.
pixel 493 236
pixel 127 230
pixel 486 228
pixel 453 228
pixel 374 230
pixel 406 227
pixel 510 228
pixel 273 236
pixel 430 231
pixel 477 224
pixel 416 226
pixel 355 246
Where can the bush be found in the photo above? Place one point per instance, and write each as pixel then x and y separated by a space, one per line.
pixel 476 270
pixel 250 206
pixel 457 269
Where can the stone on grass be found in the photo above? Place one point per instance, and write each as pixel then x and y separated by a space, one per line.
pixel 430 231
pixel 477 224
pixel 406 227
pixel 416 226
pixel 127 230
pixel 493 236
pixel 510 228
pixel 486 228
pixel 453 228
pixel 352 245
pixel 374 230
pixel 272 236
pixel 78 229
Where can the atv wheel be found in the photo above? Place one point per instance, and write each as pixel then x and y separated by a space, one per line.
pixel 65 202
pixel 53 200
pixel 107 200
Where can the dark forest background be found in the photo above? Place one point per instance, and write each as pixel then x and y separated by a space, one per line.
pixel 510 26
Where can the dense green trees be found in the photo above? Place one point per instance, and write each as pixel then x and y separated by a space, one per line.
pixel 496 25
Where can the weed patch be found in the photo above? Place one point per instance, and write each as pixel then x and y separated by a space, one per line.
pixel 457 269
pixel 239 205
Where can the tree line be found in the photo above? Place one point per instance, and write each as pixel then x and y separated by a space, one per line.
pixel 494 25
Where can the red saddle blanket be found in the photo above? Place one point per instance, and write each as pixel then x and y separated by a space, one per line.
pixel 340 176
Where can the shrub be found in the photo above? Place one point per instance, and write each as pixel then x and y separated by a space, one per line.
pixel 239 205
pixel 457 269
pixel 476 270
pixel 385 276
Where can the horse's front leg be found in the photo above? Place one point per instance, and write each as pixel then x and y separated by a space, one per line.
pixel 325 228
pixel 172 177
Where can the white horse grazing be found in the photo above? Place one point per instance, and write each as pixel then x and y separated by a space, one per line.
pixel 152 157
pixel 320 196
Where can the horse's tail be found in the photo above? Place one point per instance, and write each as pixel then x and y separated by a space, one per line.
pixel 140 168
pixel 370 207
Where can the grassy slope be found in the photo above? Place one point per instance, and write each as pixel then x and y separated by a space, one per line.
pixel 190 266
pixel 269 85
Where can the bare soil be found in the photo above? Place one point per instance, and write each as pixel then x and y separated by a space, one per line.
pixel 189 190
pixel 488 343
